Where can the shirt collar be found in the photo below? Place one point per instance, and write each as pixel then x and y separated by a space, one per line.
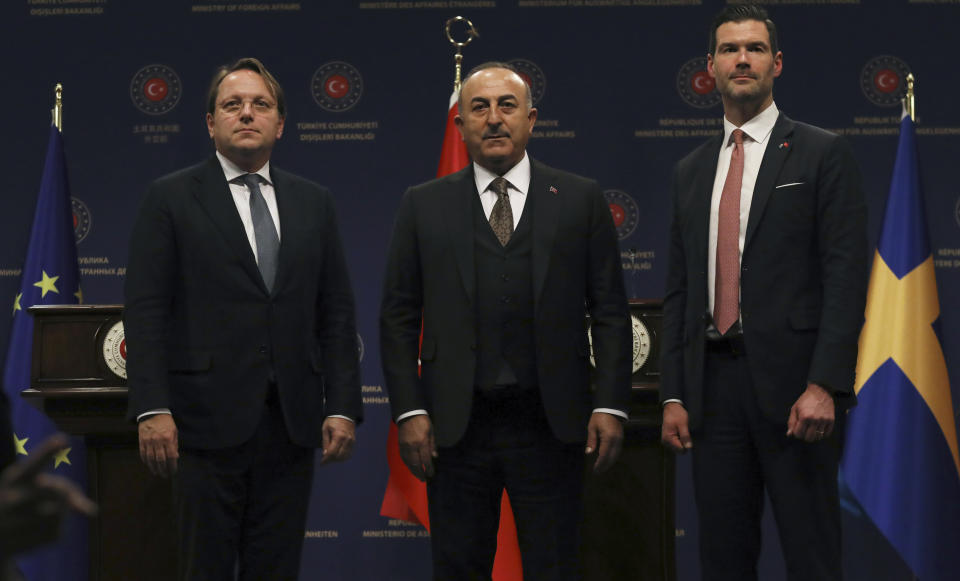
pixel 231 171
pixel 518 176
pixel 757 129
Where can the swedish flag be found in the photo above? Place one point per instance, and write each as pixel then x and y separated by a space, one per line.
pixel 50 276
pixel 901 460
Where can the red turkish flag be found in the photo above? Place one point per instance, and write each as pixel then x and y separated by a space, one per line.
pixel 406 497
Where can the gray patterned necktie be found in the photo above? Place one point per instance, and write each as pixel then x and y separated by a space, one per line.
pixel 264 231
pixel 501 218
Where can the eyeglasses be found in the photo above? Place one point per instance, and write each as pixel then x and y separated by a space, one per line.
pixel 259 104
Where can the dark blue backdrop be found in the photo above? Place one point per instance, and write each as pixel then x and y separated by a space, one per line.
pixel 619 102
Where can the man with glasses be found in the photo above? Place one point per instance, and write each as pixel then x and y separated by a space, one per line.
pixel 241 339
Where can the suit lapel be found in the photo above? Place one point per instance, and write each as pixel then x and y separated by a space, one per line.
pixel 291 224
pixel 546 215
pixel 457 213
pixel 706 168
pixel 213 194
pixel 774 157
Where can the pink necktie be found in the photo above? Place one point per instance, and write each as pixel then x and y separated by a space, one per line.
pixel 726 298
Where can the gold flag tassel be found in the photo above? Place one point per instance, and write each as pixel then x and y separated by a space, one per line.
pixel 909 102
pixel 58 107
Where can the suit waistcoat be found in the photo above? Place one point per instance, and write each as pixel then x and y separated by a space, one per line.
pixel 506 349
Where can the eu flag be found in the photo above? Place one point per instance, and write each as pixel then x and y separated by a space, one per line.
pixel 901 460
pixel 50 276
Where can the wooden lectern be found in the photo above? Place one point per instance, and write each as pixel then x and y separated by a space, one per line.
pixel 78 380
pixel 628 530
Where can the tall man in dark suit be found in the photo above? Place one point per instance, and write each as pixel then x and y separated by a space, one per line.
pixel 241 339
pixel 500 262
pixel 764 303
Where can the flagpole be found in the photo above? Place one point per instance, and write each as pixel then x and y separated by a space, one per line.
pixel 58 107
pixel 458 46
pixel 50 275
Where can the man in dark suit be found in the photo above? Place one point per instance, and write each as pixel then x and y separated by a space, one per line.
pixel 499 263
pixel 764 303
pixel 241 339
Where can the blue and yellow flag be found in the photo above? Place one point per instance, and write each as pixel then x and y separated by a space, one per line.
pixel 901 460
pixel 50 276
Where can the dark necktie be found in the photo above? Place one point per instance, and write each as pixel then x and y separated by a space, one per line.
pixel 264 231
pixel 726 298
pixel 501 217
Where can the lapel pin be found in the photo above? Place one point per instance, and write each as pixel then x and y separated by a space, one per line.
pixel 553 189
pixel 785 145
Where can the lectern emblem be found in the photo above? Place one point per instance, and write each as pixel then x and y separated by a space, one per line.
pixel 115 350
pixel 641 344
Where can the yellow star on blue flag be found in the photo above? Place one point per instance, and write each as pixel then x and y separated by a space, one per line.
pixel 62 457
pixel 20 444
pixel 47 284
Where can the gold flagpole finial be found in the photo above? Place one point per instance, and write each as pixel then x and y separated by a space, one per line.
pixel 58 107
pixel 458 57
pixel 909 101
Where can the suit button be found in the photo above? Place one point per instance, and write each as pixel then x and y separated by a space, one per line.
pixel 505 300
pixel 505 277
pixel 263 348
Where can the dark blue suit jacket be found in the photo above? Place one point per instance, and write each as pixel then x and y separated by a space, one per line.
pixel 803 271
pixel 204 335
pixel 431 278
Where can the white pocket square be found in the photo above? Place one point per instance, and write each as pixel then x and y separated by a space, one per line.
pixel 790 184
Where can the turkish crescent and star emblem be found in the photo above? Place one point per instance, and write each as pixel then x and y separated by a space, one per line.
pixel 695 85
pixel 883 80
pixel 624 210
pixel 533 76
pixel 81 219
pixel 336 86
pixel 155 89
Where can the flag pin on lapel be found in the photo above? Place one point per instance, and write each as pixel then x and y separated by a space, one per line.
pixel 553 189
